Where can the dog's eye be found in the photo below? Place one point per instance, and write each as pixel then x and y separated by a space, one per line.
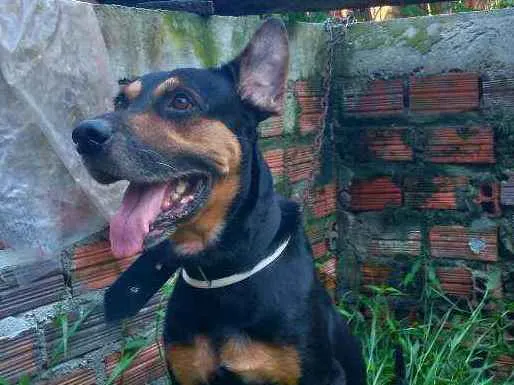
pixel 180 102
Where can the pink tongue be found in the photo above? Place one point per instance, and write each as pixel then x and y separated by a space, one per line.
pixel 129 226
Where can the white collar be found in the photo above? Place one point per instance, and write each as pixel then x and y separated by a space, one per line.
pixel 238 277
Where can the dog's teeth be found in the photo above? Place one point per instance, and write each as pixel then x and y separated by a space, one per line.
pixel 186 199
pixel 175 196
pixel 181 187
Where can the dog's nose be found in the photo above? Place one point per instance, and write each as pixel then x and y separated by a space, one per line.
pixel 91 135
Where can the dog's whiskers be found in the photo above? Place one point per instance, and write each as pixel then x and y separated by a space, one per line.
pixel 158 155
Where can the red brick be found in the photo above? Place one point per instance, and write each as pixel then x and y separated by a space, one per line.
pixel 375 194
pixel 394 244
pixel 379 98
pixel 299 163
pixel 18 357
pixel 456 281
pixel 310 104
pixel 272 127
pixel 324 201
pixel 275 161
pixel 29 286
pixel 328 273
pixel 458 241
pixel 77 377
pixel 389 144
pixel 94 266
pixel 309 97
pixel 445 93
pixel 310 123
pixel 146 367
pixel 439 193
pixel 304 88
pixel 319 249
pixel 460 145
pixel 374 274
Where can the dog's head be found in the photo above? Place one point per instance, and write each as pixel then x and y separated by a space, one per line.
pixel 179 138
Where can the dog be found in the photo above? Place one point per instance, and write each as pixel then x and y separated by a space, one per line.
pixel 248 307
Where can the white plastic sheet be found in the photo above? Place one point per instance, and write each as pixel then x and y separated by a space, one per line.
pixel 53 73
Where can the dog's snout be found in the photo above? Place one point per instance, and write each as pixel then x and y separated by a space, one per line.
pixel 91 135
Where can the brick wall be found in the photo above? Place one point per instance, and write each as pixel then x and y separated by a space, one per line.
pixel 426 186
pixel 425 176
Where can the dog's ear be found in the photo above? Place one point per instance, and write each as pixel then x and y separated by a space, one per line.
pixel 261 69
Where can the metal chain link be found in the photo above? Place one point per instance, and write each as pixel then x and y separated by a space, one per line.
pixel 336 27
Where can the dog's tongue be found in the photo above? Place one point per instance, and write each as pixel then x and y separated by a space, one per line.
pixel 140 206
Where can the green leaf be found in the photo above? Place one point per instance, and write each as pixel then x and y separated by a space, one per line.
pixel 409 277
pixel 25 380
pixel 137 343
pixel 121 367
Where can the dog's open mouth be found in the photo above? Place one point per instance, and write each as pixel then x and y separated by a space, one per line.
pixel 150 212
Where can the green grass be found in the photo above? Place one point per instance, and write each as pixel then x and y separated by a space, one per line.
pixel 449 343
pixel 62 322
pixel 134 345
pixel 457 346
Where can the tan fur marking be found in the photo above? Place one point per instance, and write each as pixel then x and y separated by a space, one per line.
pixel 262 362
pixel 166 85
pixel 207 138
pixel 203 227
pixel 192 364
pixel 133 89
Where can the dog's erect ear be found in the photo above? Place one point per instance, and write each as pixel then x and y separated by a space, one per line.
pixel 262 68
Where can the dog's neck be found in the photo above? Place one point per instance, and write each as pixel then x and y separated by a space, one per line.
pixel 252 226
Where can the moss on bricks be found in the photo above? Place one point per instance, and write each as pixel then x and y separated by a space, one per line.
pixel 367 40
pixel 283 186
pixel 503 125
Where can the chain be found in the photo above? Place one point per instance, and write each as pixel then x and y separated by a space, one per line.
pixel 336 27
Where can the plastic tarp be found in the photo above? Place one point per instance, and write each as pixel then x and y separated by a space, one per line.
pixel 53 73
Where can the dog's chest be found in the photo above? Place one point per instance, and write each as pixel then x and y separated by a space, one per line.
pixel 253 362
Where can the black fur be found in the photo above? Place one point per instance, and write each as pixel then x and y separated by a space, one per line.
pixel 284 304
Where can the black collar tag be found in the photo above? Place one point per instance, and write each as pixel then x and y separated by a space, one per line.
pixel 136 285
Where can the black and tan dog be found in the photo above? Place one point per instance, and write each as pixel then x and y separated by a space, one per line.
pixel 248 307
